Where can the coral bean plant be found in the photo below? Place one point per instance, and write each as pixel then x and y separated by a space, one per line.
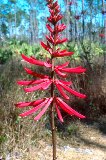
pixel 43 82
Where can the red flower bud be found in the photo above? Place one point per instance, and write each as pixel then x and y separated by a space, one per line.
pixel 49 28
pixel 101 35
pixel 60 28
pixel 77 17
pixel 46 47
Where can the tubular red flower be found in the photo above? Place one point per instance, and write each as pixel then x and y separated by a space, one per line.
pixel 62 65
pixel 73 70
pixel 31 111
pixel 60 73
pixel 26 83
pixel 39 86
pixel 44 109
pixel 51 12
pixel 67 108
pixel 57 9
pixel 60 28
pixel 60 41
pixel 46 64
pixel 32 60
pixel 53 5
pixel 61 91
pixel 49 28
pixel 46 85
pixel 26 104
pixel 72 91
pixel 63 53
pixel 46 47
pixel 54 19
pixel 59 113
pixel 50 39
pixel 35 74
pixel 65 82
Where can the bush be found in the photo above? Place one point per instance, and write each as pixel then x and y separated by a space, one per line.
pixel 5 54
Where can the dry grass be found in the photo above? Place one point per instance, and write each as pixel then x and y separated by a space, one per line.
pixel 91 145
pixel 24 139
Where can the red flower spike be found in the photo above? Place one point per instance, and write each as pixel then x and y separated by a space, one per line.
pixel 68 109
pixel 59 114
pixel 44 109
pixel 31 111
pixel 43 82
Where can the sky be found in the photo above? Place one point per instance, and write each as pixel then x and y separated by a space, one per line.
pixel 42 12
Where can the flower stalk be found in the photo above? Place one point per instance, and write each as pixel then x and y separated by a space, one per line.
pixel 53 128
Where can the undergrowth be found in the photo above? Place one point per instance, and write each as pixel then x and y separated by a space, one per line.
pixel 16 133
